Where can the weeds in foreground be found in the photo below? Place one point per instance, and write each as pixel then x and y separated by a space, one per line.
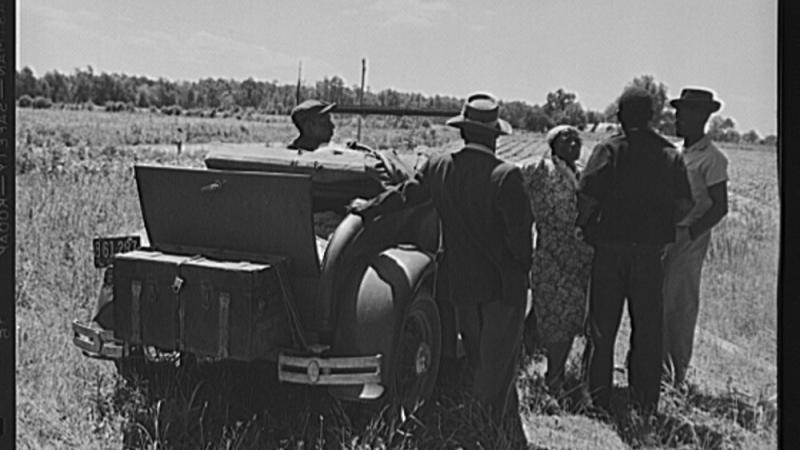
pixel 687 417
pixel 242 406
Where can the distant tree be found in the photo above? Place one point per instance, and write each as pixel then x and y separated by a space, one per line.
pixel 515 113
pixel 389 97
pixel 336 90
pixel 563 108
pixel 557 101
pixel 719 128
pixel 537 120
pixel 751 137
pixel 575 115
pixel 524 116
pixel 86 88
pixel 103 89
pixel 659 92
pixel 58 86
pixel 724 122
pixel 143 96
pixel 249 93
pixel 732 136
pixel 770 140
pixel 83 85
pixel 25 83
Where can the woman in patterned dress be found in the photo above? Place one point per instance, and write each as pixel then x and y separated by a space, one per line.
pixel 561 262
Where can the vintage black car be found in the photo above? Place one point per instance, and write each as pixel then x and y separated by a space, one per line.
pixel 229 268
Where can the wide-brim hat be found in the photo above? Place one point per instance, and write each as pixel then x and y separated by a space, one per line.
pixel 696 98
pixel 481 112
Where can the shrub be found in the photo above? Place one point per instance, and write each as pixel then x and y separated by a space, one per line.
pixel 42 103
pixel 195 112
pixel 171 110
pixel 25 101
pixel 111 106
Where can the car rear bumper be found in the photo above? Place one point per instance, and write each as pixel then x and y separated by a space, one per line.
pixel 96 342
pixel 329 371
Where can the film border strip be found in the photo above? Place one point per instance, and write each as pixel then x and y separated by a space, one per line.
pixel 7 226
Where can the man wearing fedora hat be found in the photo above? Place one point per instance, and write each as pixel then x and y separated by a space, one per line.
pixel 708 177
pixel 486 238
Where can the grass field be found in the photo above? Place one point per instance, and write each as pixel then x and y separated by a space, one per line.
pixel 75 182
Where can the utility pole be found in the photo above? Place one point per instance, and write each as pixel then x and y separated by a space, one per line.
pixel 299 76
pixel 361 94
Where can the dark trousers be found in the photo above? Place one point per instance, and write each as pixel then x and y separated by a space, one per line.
pixel 632 272
pixel 492 335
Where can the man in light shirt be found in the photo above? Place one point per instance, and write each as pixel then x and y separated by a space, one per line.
pixel 708 176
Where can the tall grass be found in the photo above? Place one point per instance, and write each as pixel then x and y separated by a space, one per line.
pixel 75 182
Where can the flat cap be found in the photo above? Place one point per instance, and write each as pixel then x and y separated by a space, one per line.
pixel 310 107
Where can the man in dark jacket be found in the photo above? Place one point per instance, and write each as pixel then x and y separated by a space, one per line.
pixel 632 193
pixel 486 221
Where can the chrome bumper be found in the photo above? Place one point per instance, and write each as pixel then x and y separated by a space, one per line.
pixel 96 343
pixel 329 371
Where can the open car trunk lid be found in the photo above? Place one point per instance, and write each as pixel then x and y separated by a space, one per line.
pixel 235 216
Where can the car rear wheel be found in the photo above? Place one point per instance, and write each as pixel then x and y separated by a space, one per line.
pixel 417 353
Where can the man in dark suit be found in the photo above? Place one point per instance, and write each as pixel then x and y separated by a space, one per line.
pixel 633 191
pixel 486 233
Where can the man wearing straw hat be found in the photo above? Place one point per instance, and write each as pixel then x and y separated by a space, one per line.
pixel 486 232
pixel 708 177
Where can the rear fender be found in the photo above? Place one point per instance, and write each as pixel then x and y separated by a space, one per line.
pixel 352 245
pixel 372 307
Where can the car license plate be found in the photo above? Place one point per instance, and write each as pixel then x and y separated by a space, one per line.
pixel 106 248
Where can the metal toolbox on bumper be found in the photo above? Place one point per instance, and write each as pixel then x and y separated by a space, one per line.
pixel 219 309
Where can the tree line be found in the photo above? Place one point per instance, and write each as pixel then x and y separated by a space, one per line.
pixel 118 92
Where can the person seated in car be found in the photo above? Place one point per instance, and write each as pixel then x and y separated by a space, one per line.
pixel 313 121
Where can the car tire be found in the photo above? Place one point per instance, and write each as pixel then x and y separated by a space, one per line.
pixel 417 353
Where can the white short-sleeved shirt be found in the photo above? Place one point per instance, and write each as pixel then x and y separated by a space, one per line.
pixel 706 166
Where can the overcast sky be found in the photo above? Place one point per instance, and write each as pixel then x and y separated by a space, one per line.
pixel 519 50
